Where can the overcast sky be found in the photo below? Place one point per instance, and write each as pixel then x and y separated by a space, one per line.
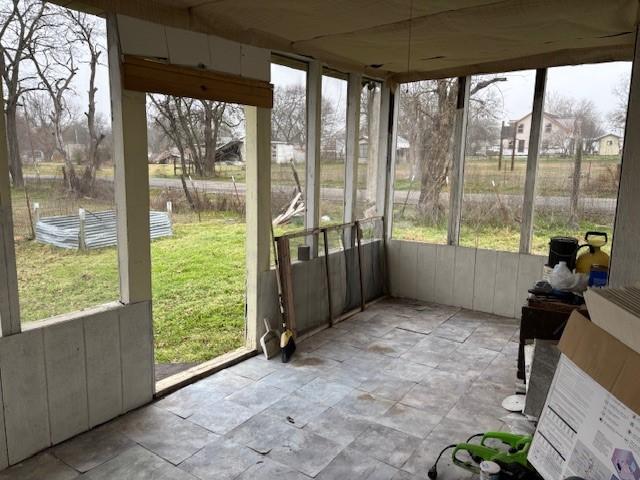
pixel 595 82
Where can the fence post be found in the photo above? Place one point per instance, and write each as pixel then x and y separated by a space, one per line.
pixel 36 211
pixel 81 230
pixel 170 210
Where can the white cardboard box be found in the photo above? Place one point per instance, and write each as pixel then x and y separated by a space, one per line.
pixel 590 425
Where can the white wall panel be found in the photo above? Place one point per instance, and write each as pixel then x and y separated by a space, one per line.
pixel 530 269
pixel 408 275
pixel 66 379
pixel 255 62
pixel 104 369
pixel 464 275
pixel 504 295
pixel 136 345
pixel 426 274
pixel 139 37
pixel 484 280
pixel 394 266
pixel 188 48
pixel 225 55
pixel 24 389
pixel 445 264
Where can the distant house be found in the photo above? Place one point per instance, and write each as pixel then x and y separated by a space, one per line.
pixel 402 148
pixel 556 134
pixel 283 152
pixel 608 144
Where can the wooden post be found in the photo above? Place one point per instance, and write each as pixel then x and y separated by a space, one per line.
pixel 9 304
pixel 513 149
pixel 384 141
pixel 314 129
pixel 129 124
pixel 82 240
pixel 258 216
pixel 170 211
pixel 354 91
pixel 456 186
pixel 501 147
pixel 325 240
pixel 360 277
pixel 284 271
pixel 535 135
pixel 391 163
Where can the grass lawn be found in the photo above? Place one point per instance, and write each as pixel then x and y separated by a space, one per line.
pixel 500 238
pixel 198 286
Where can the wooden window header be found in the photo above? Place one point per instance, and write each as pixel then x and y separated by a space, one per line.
pixel 145 75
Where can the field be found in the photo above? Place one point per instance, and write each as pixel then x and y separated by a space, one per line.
pixel 199 273
pixel 198 281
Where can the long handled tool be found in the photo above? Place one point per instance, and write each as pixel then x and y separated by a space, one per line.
pixel 287 343
pixel 270 341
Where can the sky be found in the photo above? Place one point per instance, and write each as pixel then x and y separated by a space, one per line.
pixel 595 82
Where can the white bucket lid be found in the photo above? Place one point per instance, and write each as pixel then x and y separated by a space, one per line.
pixel 489 467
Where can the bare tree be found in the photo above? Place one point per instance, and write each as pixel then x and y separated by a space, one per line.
pixel 288 114
pixel 427 120
pixel 38 104
pixel 165 116
pixel 618 116
pixel 86 31
pixel 21 22
pixel 56 69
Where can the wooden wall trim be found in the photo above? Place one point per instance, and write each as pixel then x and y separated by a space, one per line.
pixel 144 75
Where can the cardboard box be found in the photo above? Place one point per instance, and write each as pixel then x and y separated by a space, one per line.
pixel 590 424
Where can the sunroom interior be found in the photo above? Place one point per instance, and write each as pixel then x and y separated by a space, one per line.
pixel 405 343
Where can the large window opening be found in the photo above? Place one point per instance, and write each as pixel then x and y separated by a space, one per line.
pixel 333 143
pixel 579 162
pixel 368 152
pixel 498 126
pixel 424 153
pixel 197 179
pixel 288 150
pixel 56 94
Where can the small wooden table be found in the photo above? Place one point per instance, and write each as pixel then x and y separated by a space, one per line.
pixel 544 319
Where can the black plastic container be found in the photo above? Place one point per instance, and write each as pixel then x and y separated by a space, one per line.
pixel 563 249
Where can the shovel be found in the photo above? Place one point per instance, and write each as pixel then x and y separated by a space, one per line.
pixel 270 341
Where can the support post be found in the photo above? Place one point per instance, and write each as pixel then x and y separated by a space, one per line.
pixel 625 255
pixel 384 140
pixel 9 303
pixel 456 186
pixel 528 205
pixel 258 207
pixel 82 239
pixel 354 91
pixel 391 162
pixel 129 124
pixel 314 129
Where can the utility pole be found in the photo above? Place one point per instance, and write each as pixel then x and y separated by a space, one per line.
pixel 513 150
pixel 500 147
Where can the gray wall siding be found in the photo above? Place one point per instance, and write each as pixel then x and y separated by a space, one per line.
pixel 483 280
pixel 62 376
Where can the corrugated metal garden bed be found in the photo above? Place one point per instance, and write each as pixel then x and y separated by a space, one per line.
pixel 99 229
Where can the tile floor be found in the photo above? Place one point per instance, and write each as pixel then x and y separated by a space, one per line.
pixel 376 397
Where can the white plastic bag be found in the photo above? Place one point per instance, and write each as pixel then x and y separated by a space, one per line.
pixel 563 279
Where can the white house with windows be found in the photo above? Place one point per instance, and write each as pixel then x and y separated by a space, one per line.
pixel 556 133
pixel 608 144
